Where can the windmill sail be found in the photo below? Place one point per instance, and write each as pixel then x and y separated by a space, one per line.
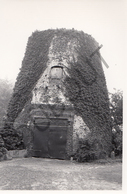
pixel 102 59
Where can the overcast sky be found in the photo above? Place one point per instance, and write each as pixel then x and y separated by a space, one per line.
pixel 103 19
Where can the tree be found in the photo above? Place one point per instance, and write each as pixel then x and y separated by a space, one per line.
pixel 116 108
pixel 5 95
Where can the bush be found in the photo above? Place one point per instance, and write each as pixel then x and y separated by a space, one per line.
pixel 5 95
pixel 117 141
pixel 90 149
pixel 116 112
pixel 12 139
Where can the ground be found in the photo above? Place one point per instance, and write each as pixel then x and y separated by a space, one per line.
pixel 53 174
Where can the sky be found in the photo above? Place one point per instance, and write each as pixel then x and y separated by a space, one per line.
pixel 105 20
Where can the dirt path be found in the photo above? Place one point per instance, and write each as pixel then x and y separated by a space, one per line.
pixel 52 174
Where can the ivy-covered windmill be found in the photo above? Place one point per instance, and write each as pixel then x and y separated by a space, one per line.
pixel 62 78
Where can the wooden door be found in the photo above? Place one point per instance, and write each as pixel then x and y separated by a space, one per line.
pixel 50 138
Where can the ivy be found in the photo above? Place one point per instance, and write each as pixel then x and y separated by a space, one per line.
pixel 86 87
pixel 33 65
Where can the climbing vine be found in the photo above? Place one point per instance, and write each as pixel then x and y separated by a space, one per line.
pixel 90 96
pixel 85 87
pixel 33 65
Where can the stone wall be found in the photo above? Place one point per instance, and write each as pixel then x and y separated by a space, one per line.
pixel 80 131
pixel 52 91
pixel 61 51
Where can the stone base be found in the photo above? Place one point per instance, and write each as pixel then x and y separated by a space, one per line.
pixel 16 153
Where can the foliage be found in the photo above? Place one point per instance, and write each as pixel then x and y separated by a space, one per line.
pixel 23 116
pixel 116 109
pixel 86 89
pixel 90 149
pixel 5 95
pixel 33 66
pixel 12 139
pixel 117 141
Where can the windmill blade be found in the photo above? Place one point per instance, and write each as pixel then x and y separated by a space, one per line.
pixel 96 52
pixel 104 62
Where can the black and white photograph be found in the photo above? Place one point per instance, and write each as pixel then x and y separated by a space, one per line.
pixel 62 77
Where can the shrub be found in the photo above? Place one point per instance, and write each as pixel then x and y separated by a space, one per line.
pixel 116 112
pixel 90 149
pixel 5 95
pixel 117 141
pixel 12 139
